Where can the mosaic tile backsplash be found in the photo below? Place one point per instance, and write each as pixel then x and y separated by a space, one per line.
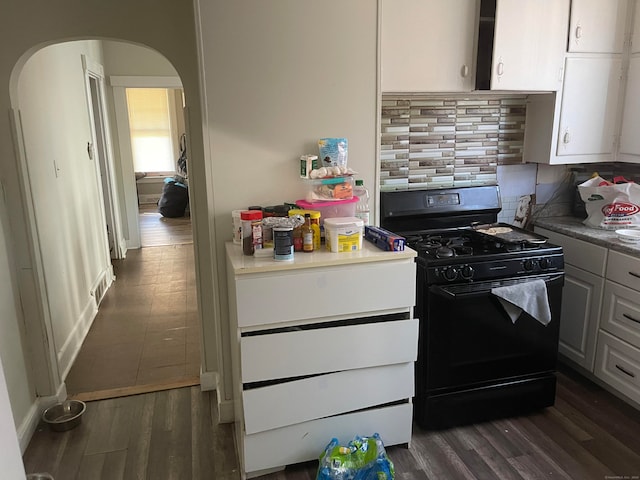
pixel 430 142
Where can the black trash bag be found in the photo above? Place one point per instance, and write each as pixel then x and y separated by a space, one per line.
pixel 174 199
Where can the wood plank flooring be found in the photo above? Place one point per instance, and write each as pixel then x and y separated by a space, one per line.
pixel 588 434
pixel 156 230
pixel 146 335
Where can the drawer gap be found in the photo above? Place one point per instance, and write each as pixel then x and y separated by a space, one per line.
pixel 392 317
pixel 278 381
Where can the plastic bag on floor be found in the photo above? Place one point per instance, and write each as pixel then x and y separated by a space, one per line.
pixel 364 458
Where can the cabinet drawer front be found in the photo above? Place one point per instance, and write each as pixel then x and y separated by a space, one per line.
pixel 618 364
pixel 624 269
pixel 325 395
pixel 621 313
pixel 308 352
pixel 579 253
pixel 322 292
pixel 305 441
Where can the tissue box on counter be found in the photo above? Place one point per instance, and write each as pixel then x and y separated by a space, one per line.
pixel 384 239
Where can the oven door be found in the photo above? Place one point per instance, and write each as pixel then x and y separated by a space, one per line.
pixel 467 338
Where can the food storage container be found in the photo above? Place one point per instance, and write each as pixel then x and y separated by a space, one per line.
pixel 329 189
pixel 343 234
pixel 341 208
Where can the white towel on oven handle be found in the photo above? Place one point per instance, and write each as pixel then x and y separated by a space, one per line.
pixel 528 296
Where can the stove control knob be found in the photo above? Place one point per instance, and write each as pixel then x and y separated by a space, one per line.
pixel 545 263
pixel 466 272
pixel 450 274
pixel 529 264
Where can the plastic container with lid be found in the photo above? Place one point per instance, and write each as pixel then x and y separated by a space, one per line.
pixel 237 226
pixel 342 208
pixel 330 189
pixel 343 234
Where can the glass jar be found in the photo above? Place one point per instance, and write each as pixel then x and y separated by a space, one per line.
pixel 251 231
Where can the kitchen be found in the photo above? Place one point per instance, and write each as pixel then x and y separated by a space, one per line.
pixel 254 119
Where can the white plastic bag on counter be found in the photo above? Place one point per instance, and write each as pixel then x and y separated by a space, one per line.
pixel 611 205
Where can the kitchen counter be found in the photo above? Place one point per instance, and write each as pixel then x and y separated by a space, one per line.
pixel 574 227
pixel 320 258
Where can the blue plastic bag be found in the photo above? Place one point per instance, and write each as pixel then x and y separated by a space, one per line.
pixel 364 458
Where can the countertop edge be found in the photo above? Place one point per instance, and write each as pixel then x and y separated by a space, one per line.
pixel 245 264
pixel 574 227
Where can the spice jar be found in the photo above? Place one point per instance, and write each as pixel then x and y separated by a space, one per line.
pixel 251 231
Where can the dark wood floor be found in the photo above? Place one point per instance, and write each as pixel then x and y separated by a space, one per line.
pixel 588 434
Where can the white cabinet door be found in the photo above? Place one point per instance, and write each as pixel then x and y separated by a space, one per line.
pixel 630 134
pixel 597 26
pixel 428 45
pixel 589 106
pixel 581 301
pixel 529 44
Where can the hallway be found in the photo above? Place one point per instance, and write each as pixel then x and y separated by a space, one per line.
pixel 146 335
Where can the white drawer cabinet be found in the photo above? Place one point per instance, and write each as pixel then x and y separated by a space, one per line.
pixel 618 364
pixel 621 313
pixel 624 269
pixel 321 347
pixel 618 353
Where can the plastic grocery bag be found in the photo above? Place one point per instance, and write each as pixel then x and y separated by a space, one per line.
pixel 611 205
pixel 364 458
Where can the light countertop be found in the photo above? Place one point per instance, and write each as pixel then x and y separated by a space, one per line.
pixel 573 227
pixel 320 258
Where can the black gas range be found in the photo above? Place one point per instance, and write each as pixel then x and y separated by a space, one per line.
pixel 466 255
pixel 476 359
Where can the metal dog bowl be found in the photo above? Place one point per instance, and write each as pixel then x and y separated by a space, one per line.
pixel 64 416
pixel 39 476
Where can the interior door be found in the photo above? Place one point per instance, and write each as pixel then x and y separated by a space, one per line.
pixel 99 151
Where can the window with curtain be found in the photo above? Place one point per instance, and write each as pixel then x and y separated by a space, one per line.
pixel 151 130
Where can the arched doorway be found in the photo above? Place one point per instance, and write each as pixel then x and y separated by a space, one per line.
pixel 65 202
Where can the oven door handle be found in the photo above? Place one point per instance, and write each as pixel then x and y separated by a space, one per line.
pixel 484 288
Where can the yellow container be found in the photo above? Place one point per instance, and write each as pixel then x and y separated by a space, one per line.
pixel 315 224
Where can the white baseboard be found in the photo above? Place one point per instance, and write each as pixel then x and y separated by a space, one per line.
pixel 208 381
pixel 74 341
pixel 30 423
pixel 225 411
pixel 149 198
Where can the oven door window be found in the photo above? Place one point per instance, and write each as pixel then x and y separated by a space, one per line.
pixel 469 339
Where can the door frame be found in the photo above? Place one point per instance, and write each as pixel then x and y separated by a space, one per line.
pixel 119 84
pixel 101 150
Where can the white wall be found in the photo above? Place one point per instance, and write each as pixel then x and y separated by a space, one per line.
pixel 280 75
pixel 12 348
pixel 65 181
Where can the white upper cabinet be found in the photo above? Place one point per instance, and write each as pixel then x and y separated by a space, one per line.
pixel 630 134
pixel 597 26
pixel 529 44
pixel 589 111
pixel 428 45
